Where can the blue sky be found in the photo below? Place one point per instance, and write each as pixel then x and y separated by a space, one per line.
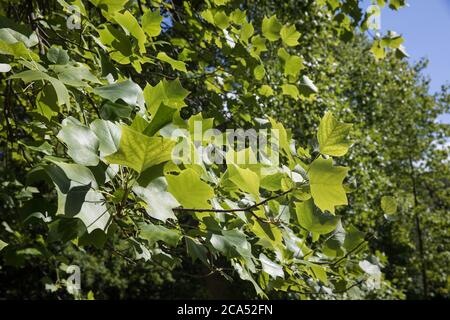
pixel 425 26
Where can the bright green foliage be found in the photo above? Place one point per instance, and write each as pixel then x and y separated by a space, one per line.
pixel 159 202
pixel 292 64
pixel 326 184
pixel 104 109
pixel 153 233
pixel 290 90
pixel 313 220
pixel 3 244
pixel 151 23
pixel 244 179
pixel 389 205
pixel 190 180
pixel 289 35
pixel 139 152
pixel 332 136
pixel 171 93
pixel 176 65
pixel 271 28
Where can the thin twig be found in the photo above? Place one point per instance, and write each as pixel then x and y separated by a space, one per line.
pixel 249 208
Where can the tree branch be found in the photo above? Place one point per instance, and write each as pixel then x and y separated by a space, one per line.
pixel 249 208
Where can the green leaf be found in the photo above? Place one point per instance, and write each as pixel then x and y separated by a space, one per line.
pixel 96 238
pixel 196 250
pixel 258 45
pixel 39 146
pixel 259 72
pixel 353 238
pixel 269 235
pixel 332 136
pixel 326 184
pixel 396 4
pixel 82 143
pixel 271 28
pixel 129 23
pixel 111 5
pixel 118 41
pixel 127 91
pixel 378 50
pixel 238 16
pixel 3 244
pixel 221 20
pixel 61 91
pixel 139 152
pixel 57 55
pixel 162 117
pixel 265 90
pixel 292 64
pixel 246 32
pixel 392 40
pixel 208 16
pixel 245 179
pixel 233 242
pixel 244 274
pixel 190 180
pixel 151 23
pixel 221 2
pixel 78 195
pixel 389 205
pixel 171 93
pixel 313 220
pixel 47 102
pixel 153 233
pixel 13 33
pixel 18 50
pixel 108 135
pixel 319 272
pixel 289 35
pixel 271 268
pixel 76 76
pixel 139 124
pixel 159 202
pixel 34 75
pixel 290 90
pixel 272 182
pixel 175 64
pixel 115 111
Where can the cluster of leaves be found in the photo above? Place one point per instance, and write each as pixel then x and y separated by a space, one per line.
pixel 401 146
pixel 88 129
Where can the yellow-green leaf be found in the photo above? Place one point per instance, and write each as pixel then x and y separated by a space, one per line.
pixel 271 28
pixel 389 205
pixel 332 136
pixel 151 23
pixel 326 184
pixel 244 179
pixel 189 189
pixel 175 64
pixel 139 151
pixel 289 35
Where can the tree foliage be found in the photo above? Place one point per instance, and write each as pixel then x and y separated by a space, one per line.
pixel 99 94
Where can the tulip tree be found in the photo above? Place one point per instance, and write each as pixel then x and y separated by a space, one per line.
pixel 96 93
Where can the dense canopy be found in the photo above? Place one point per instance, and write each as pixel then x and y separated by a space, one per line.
pixel 117 117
